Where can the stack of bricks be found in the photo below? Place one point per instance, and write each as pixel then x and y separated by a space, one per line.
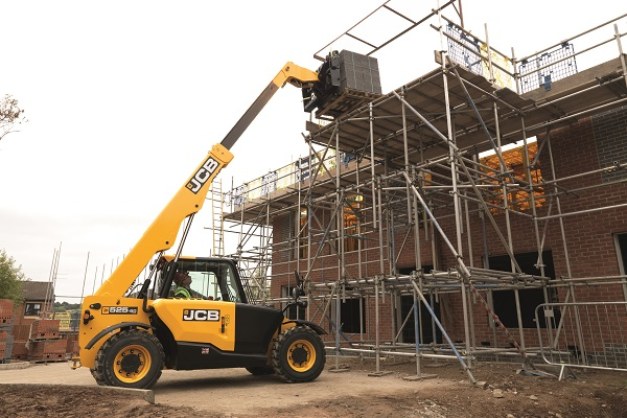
pixel 21 334
pixel 46 342
pixel 72 344
pixel 6 323
pixel 68 325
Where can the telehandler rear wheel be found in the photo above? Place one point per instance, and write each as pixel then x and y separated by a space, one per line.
pixel 298 355
pixel 131 358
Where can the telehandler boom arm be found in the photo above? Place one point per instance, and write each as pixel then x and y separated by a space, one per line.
pixel 162 233
pixel 290 73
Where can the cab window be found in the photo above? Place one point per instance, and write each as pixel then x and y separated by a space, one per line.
pixel 213 280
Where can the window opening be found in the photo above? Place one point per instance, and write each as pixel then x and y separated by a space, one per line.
pixel 505 300
pixel 349 315
pixel 352 206
pixel 518 197
pixel 32 309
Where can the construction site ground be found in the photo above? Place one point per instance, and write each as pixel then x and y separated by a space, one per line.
pixel 54 390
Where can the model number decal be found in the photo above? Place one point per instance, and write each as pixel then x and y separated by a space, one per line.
pixel 201 315
pixel 202 175
pixel 119 310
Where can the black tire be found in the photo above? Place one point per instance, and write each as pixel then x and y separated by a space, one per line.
pixel 298 355
pixel 260 371
pixel 132 359
pixel 97 376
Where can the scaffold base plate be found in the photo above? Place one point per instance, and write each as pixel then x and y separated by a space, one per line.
pixel 422 376
pixel 339 369
pixel 378 374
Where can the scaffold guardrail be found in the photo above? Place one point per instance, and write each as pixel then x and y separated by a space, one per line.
pixel 583 335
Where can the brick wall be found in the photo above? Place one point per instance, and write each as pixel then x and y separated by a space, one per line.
pixel 591 144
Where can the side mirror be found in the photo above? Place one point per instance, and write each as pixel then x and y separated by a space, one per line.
pixel 297 292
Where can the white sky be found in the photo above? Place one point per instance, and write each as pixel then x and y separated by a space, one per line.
pixel 124 98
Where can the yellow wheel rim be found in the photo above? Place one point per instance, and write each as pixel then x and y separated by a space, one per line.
pixel 301 355
pixel 132 363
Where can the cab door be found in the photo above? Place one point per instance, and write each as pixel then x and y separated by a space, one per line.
pixel 199 321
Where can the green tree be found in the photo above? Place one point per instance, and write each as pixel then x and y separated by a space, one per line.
pixel 11 277
pixel 65 306
pixel 11 116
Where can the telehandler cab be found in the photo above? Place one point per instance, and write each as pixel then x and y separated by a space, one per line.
pixel 127 337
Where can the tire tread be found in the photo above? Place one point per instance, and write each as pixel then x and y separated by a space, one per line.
pixel 282 369
pixel 104 376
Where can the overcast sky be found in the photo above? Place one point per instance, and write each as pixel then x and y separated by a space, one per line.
pixel 124 98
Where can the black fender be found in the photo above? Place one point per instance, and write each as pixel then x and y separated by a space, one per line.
pixel 107 330
pixel 309 324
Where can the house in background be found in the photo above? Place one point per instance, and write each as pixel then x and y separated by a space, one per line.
pixel 38 299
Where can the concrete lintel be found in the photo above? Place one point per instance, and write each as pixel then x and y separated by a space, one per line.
pixel 145 394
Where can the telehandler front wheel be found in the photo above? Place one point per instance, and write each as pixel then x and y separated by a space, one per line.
pixel 131 358
pixel 298 355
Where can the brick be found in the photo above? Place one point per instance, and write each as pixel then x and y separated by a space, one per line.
pixel 6 310
pixel 44 329
pixel 39 348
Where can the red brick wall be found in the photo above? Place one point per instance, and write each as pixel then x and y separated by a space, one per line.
pixel 590 237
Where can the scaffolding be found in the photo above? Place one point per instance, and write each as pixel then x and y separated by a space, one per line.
pixel 399 210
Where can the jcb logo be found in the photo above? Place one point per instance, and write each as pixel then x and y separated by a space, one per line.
pixel 201 315
pixel 202 175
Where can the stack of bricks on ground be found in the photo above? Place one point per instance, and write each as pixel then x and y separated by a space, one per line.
pixel 32 339
pixel 6 338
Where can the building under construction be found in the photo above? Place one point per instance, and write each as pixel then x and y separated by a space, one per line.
pixel 477 212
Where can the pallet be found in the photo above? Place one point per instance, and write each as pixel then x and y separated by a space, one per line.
pixel 48 358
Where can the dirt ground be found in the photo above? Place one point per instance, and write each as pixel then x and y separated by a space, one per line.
pixel 355 393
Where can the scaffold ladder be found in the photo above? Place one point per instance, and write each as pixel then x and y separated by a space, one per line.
pixel 217 221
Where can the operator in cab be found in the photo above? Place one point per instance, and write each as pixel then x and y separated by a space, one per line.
pixel 183 280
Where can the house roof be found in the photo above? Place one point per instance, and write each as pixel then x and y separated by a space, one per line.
pixel 37 290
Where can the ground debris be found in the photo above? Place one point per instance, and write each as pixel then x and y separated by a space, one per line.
pixel 600 394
